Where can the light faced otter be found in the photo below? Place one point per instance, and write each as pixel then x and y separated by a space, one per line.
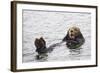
pixel 74 38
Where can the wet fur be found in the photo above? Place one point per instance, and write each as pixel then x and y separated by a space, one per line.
pixel 40 45
pixel 75 42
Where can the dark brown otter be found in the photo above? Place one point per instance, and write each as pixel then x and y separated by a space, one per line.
pixel 41 48
pixel 40 45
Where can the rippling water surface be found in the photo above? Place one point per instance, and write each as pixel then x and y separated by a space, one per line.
pixel 53 26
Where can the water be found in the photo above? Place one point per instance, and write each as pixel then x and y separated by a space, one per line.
pixel 53 26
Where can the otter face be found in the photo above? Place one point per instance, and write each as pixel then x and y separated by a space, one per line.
pixel 73 32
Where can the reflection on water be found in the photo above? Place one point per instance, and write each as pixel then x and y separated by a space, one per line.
pixel 64 54
pixel 73 54
pixel 42 59
pixel 75 51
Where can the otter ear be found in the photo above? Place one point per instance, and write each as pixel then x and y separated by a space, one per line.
pixel 66 37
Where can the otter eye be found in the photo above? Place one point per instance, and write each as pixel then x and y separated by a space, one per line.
pixel 75 29
pixel 71 30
